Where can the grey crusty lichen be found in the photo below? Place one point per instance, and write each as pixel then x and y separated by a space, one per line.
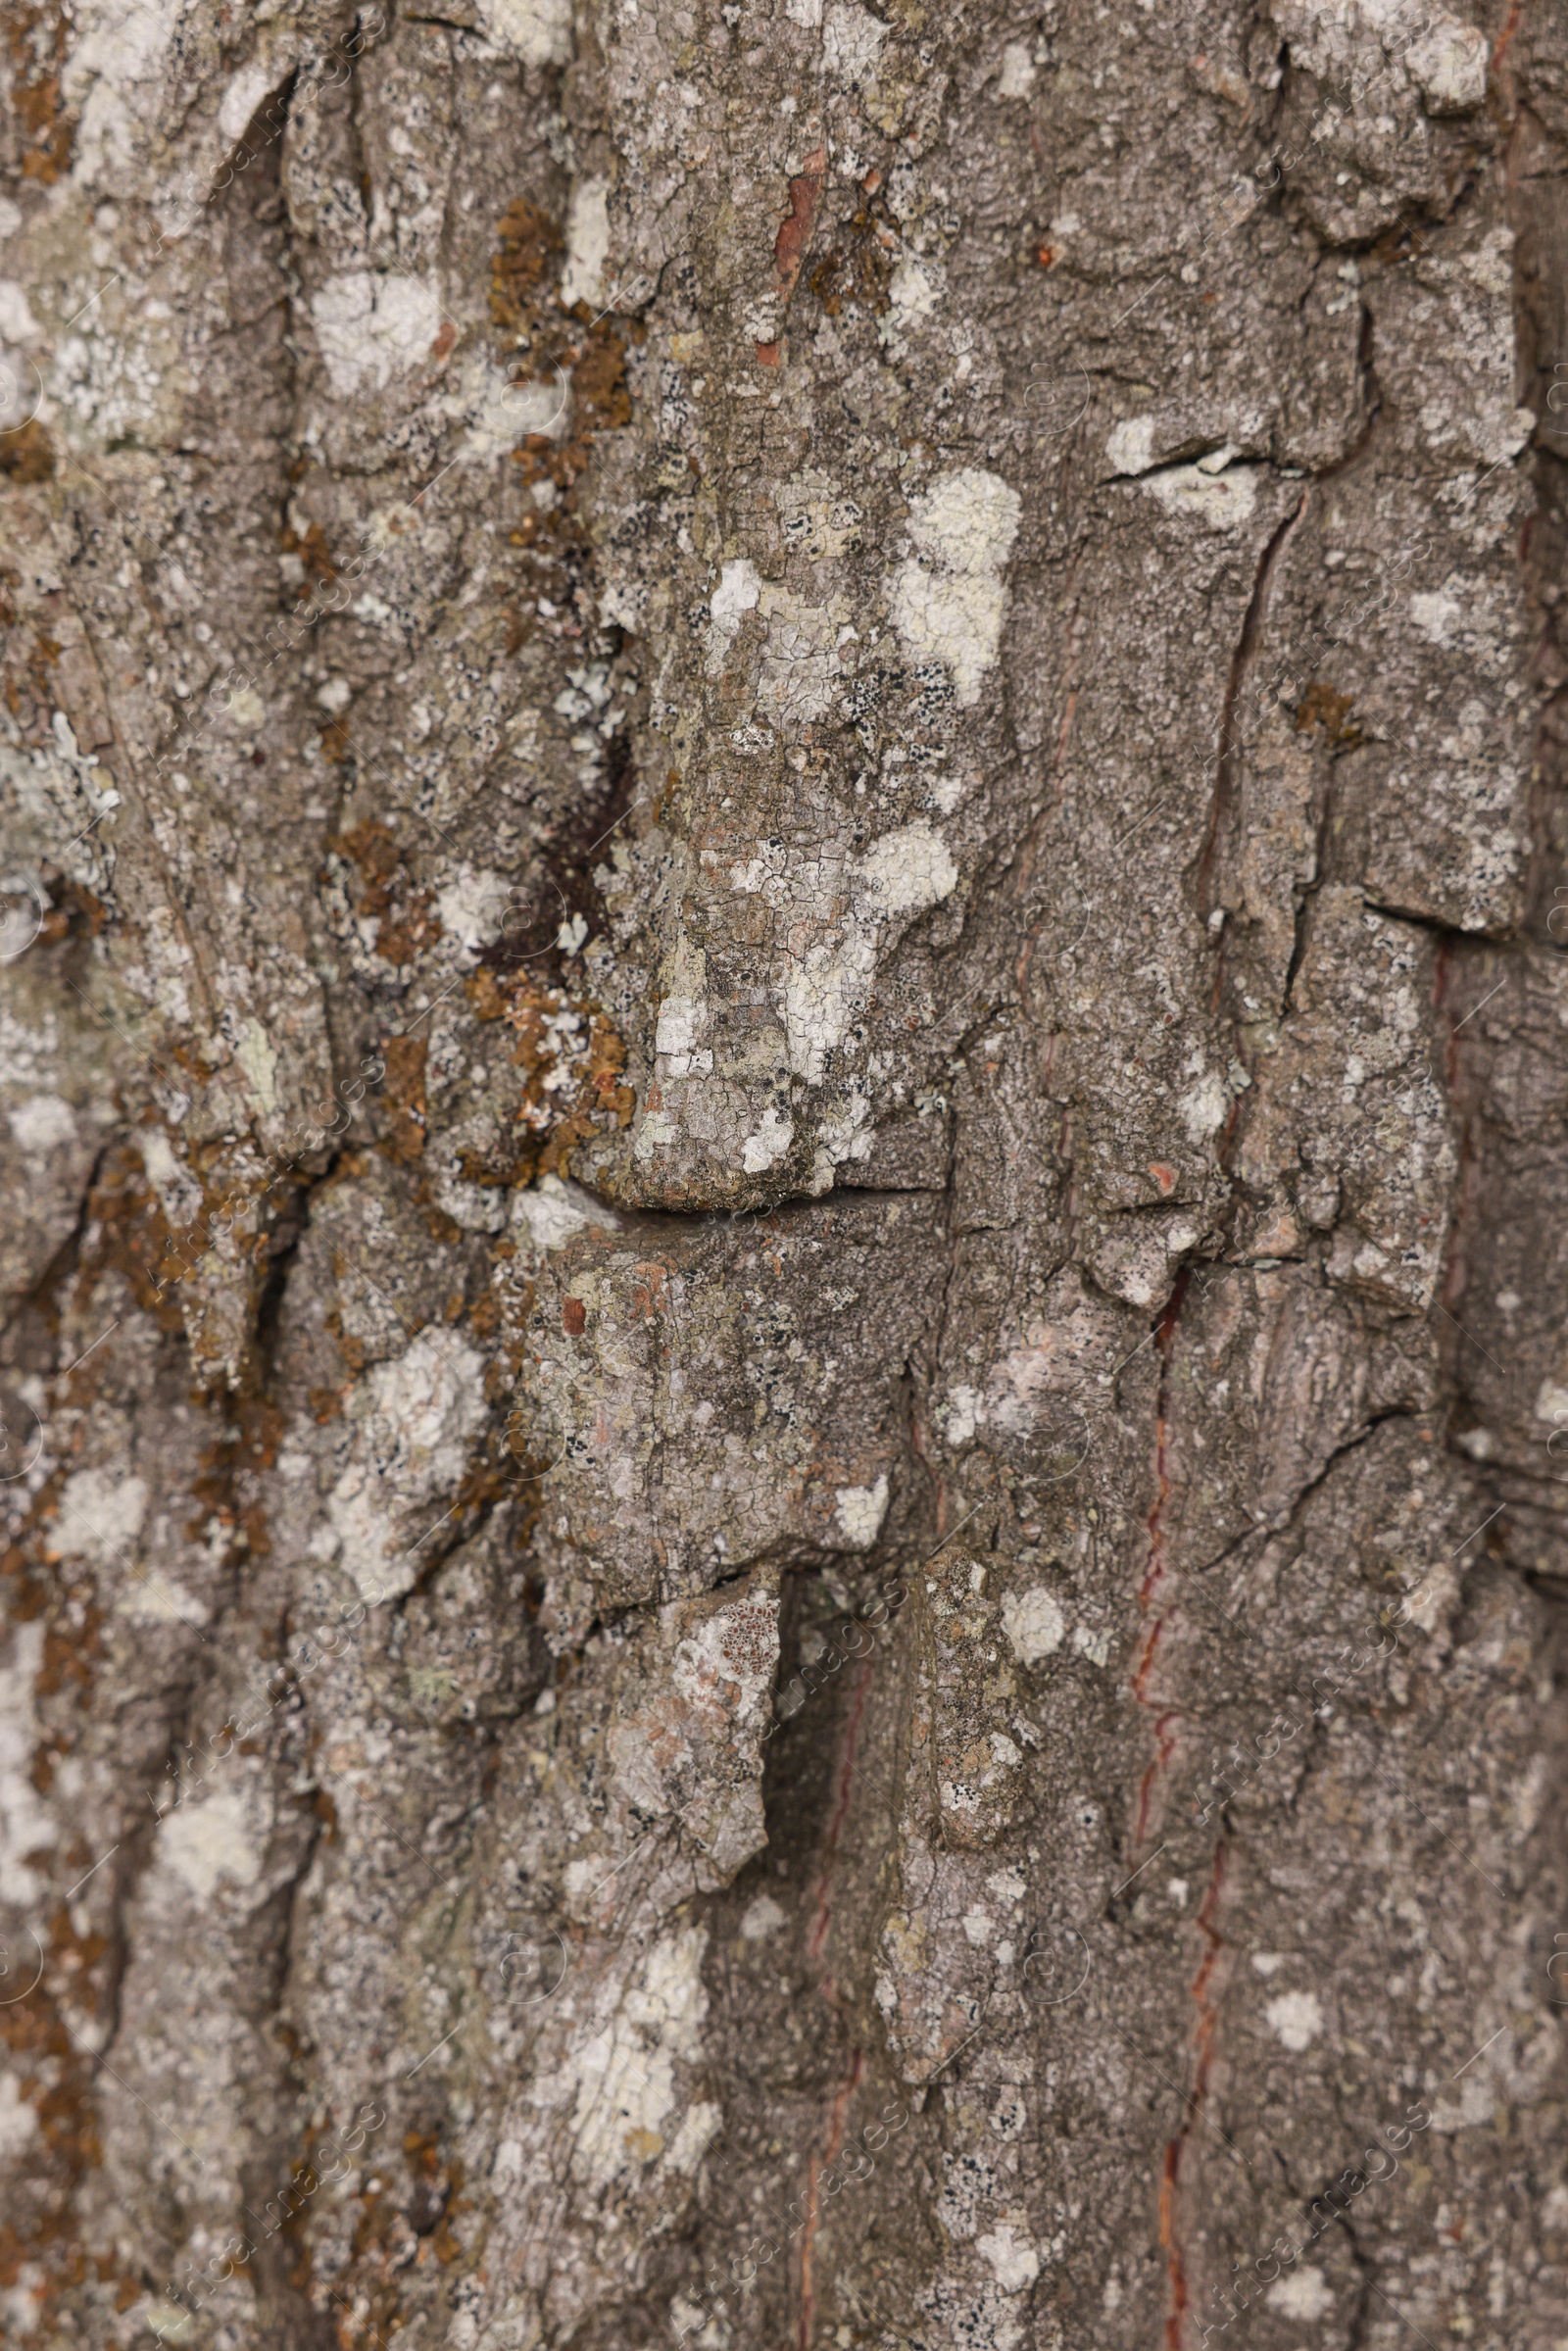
pixel 785 1058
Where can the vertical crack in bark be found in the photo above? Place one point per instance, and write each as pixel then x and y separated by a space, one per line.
pixel 1203 2041
pixel 1306 897
pixel 838 2109
pixel 1228 760
pixel 1156 1576
pixel 827 1988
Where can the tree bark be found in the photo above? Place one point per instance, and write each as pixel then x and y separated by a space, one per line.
pixel 785 1056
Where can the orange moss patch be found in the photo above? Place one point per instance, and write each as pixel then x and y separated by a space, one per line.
pixel 35 36
pixel 404 1091
pixel 858 269
pixel 526 261
pixel 27 454
pixel 573 1085
pixel 404 915
pixel 312 549
pixel 1321 706
pixel 540 338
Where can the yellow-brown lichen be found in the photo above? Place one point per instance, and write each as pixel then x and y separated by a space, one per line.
pixel 1321 706
pixel 28 454
pixel 573 1060
pixel 541 338
pixel 405 922
pixel 36 37
pixel 403 1090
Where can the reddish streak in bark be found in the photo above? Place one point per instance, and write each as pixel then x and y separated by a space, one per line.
pixel 1505 36
pixel 851 1740
pixel 789 246
pixel 1202 2044
pixel 1146 1656
pixel 835 2140
pixel 1154 1575
pixel 1164 1749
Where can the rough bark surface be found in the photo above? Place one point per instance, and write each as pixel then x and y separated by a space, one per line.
pixel 785 1063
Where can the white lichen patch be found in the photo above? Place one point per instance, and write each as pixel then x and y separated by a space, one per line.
pixel 1205 1109
pixel 551 1210
pixel 914 292
pixel 179 1195
pixel 821 995
pixel 859 1511
pixel 906 871
pixel 727 1662
pixel 101 1515
pixel 206 1843
pixel 1436 615
pixel 970 2185
pixel 760 1918
pixel 767 1142
pixel 765 876
pixel 1013 2263
pixel 472 908
pixel 157 1598
pixel 116 70
pixel 1219 501
pixel 67 793
pixel 1303 2294
pixel 1448 65
pixel 683 1013
pixel 680 1021
pixel 256 1058
pixel 372 327
pixel 1296 2019
pixel 949 605
pixel 18 2122
pixel 582 279
pixel 1552 1402
pixel 537 31
pixel 852 42
pixel 242 97
pixel 1130 448
pixel 1476 2104
pixel 41 1124
pixel 17 322
pixel 499 410
pixel 624 2075
pixel 833 915
pixel 695 2137
pixel 1033 1624
pixel 413 1421
pixel 25 1825
pixel 739 588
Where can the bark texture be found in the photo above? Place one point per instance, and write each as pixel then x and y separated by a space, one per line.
pixel 785 1061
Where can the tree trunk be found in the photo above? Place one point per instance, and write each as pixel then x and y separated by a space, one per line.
pixel 785 1063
